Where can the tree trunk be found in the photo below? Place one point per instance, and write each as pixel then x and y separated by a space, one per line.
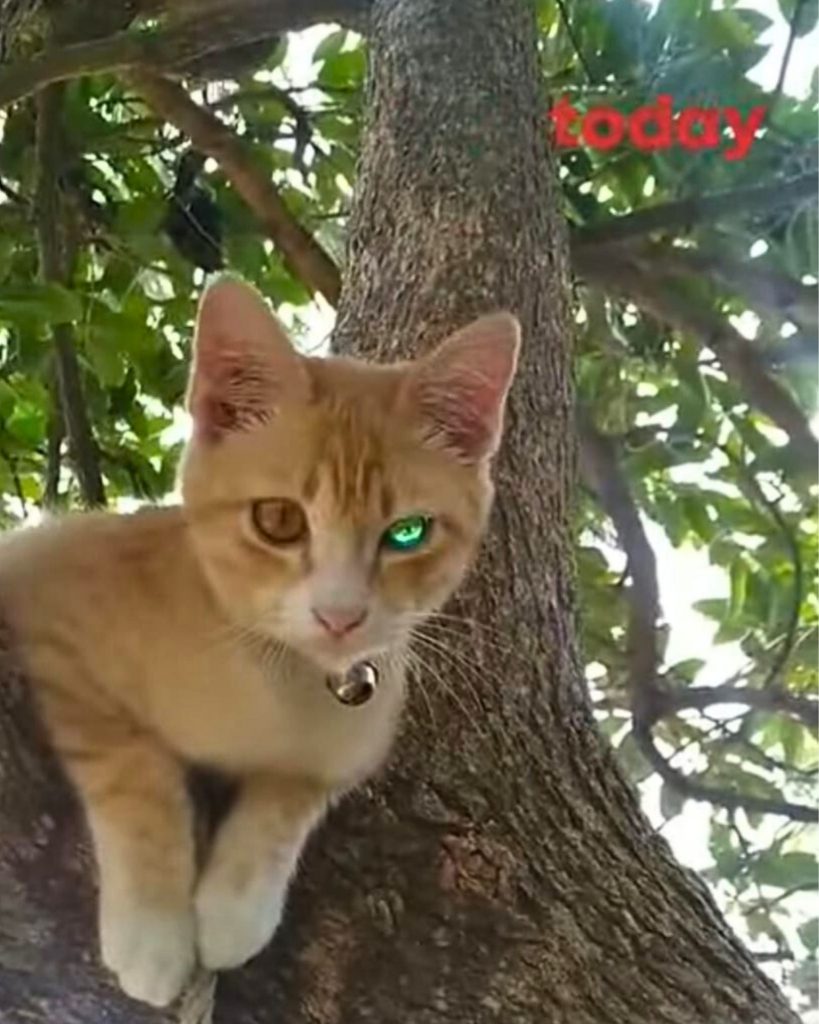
pixel 500 870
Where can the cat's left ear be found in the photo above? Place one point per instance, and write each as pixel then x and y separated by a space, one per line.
pixel 244 364
pixel 460 388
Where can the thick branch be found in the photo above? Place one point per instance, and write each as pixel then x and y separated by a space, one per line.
pixel 697 210
pixel 223 26
pixel 56 434
pixel 692 788
pixel 602 473
pixel 802 708
pixel 54 268
pixel 740 360
pixel 764 289
pixel 301 252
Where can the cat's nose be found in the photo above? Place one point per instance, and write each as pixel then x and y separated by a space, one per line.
pixel 339 621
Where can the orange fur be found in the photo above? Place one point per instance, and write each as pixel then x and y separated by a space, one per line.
pixel 179 635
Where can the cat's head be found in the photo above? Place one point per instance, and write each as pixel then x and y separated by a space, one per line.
pixel 334 503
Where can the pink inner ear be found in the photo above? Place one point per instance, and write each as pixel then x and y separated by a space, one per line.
pixel 461 388
pixel 244 362
pixel 463 410
pixel 232 391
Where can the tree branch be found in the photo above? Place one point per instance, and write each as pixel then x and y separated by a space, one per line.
pixel 686 213
pixel 11 462
pixel 693 789
pixel 56 435
pixel 761 287
pixel 650 701
pixel 802 708
pixel 740 360
pixel 53 268
pixel 301 252
pixel 222 26
pixel 602 473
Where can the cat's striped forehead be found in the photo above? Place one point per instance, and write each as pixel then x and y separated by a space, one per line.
pixel 351 472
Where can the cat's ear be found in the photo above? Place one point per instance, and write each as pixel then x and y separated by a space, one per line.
pixel 244 364
pixel 460 388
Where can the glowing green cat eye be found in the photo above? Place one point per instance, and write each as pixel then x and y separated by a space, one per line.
pixel 407 534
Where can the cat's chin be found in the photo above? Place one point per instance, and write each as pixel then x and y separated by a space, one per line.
pixel 338 661
pixel 339 664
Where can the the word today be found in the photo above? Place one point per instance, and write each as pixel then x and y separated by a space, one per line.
pixel 656 126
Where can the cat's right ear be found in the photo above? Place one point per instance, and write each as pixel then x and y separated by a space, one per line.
pixel 244 364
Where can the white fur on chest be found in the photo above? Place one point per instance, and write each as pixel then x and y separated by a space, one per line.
pixel 227 713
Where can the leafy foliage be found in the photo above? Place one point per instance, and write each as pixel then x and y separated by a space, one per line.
pixel 709 473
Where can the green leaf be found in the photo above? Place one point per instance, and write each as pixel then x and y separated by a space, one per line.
pixel 671 801
pixel 808 14
pixel 712 607
pixel 697 515
pixel 687 669
pixel 330 45
pixel 632 759
pixel 343 70
pixel 27 423
pixel 809 934
pixel 796 870
pixel 51 303
pixel 739 587
pixel 107 361
pixel 8 399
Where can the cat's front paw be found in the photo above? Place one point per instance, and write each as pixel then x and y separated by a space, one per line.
pixel 151 951
pixel 237 913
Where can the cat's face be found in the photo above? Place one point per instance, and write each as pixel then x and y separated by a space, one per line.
pixel 333 503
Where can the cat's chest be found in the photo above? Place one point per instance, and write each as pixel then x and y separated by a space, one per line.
pixel 234 715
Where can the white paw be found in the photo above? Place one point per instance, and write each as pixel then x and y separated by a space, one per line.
pixel 236 915
pixel 152 952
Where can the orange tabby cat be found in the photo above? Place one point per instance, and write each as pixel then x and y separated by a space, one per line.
pixel 328 505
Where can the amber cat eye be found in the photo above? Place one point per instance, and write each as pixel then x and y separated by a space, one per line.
pixel 279 521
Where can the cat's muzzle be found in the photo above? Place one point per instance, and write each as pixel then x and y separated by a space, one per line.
pixel 356 686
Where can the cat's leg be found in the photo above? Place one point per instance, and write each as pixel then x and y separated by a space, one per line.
pixel 141 821
pixel 240 898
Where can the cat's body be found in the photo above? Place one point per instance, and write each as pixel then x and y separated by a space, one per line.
pixel 145 611
pixel 328 508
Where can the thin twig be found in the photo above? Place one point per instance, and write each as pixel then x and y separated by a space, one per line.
pixel 56 435
pixel 54 268
pixel 12 194
pixel 759 497
pixel 698 697
pixel 303 255
pixel 786 56
pixel 760 285
pixel 686 213
pixel 694 789
pixel 740 359
pixel 567 24
pixel 11 462
pixel 223 26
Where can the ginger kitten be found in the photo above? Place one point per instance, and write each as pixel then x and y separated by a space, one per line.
pixel 328 506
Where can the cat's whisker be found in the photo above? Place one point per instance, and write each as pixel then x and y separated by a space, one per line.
pixel 451 691
pixel 462 637
pixel 470 623
pixel 465 670
pixel 449 663
pixel 459 687
pixel 414 665
pixel 456 658
pixel 449 624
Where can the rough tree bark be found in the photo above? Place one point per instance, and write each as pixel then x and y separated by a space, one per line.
pixel 501 869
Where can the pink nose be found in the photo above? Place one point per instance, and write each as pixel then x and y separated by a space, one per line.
pixel 340 621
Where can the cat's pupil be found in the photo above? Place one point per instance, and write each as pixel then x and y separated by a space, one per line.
pixel 408 533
